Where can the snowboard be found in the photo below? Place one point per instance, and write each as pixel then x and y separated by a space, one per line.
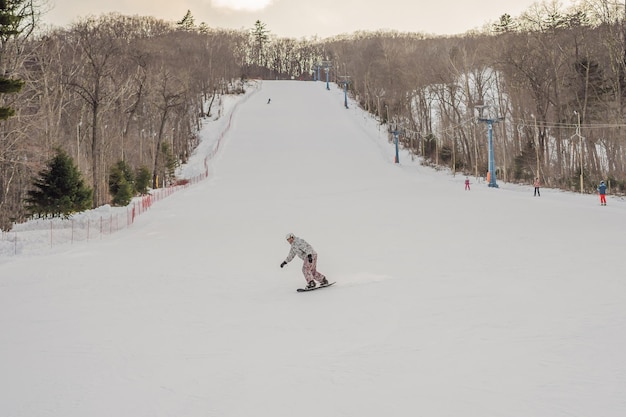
pixel 317 287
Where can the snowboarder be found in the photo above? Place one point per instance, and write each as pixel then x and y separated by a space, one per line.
pixel 602 192
pixel 305 252
pixel 467 184
pixel 536 184
pixel 269 100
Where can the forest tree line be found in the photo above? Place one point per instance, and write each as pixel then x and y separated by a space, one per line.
pixel 554 79
pixel 135 89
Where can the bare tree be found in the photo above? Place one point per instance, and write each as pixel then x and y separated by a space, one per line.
pixel 92 76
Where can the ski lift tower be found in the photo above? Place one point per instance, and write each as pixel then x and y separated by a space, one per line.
pixel 345 81
pixel 492 159
pixel 580 153
pixel 396 132
pixel 327 66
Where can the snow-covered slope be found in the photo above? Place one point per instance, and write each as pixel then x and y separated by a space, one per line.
pixel 489 302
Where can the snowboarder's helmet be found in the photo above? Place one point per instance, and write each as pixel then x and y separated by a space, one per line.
pixel 290 236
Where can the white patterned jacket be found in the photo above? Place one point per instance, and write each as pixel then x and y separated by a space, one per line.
pixel 301 248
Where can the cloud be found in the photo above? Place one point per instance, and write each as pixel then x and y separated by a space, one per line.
pixel 242 5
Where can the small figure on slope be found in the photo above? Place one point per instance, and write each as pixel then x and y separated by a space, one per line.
pixel 537 184
pixel 305 252
pixel 602 192
pixel 467 184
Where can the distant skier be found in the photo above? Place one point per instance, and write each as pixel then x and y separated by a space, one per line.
pixel 305 252
pixel 467 184
pixel 602 192
pixel 537 184
pixel 269 100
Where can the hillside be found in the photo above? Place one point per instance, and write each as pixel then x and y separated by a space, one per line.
pixel 489 302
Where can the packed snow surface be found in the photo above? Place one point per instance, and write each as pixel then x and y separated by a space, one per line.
pixel 489 302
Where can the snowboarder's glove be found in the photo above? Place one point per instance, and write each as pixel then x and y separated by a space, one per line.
pixel 283 264
pixel 310 257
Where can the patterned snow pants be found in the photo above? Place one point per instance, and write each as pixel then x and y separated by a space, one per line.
pixel 310 272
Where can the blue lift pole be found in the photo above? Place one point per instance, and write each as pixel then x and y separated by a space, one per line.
pixel 327 65
pixel 345 82
pixel 327 74
pixel 492 159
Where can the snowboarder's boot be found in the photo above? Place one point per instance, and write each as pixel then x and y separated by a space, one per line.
pixel 310 284
pixel 324 282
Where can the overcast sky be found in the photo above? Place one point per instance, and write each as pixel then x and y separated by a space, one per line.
pixel 307 18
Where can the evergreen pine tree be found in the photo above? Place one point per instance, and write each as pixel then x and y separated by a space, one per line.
pixel 260 36
pixel 11 14
pixel 59 190
pixel 505 25
pixel 170 162
pixel 121 184
pixel 166 166
pixel 187 23
pixel 143 178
